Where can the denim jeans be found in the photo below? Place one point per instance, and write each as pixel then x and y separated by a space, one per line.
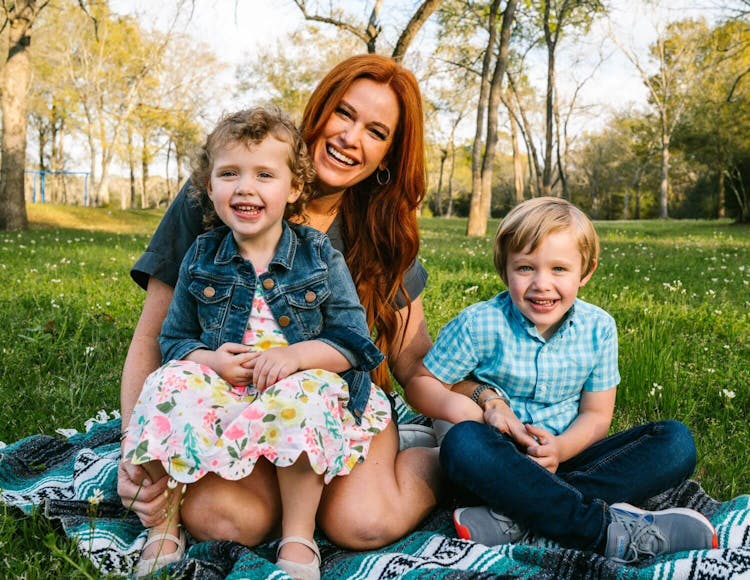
pixel 569 506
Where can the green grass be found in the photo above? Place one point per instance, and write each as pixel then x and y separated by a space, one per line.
pixel 680 292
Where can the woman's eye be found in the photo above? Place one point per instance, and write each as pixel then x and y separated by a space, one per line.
pixel 344 112
pixel 378 134
pixel 265 175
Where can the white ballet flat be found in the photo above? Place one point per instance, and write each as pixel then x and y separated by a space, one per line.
pixel 148 566
pixel 297 570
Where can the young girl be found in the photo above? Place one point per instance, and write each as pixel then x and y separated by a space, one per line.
pixel 260 308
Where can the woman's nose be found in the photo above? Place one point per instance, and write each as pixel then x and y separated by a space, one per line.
pixel 351 134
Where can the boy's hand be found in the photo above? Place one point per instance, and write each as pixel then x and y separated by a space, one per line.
pixel 498 414
pixel 545 451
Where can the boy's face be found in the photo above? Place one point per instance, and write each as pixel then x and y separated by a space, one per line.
pixel 543 284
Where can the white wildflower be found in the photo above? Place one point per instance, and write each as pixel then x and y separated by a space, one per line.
pixel 97 497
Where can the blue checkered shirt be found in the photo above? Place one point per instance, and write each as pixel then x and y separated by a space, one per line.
pixel 499 346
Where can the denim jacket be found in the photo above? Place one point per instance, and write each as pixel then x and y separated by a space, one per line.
pixel 307 287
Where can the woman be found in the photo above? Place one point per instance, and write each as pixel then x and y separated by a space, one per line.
pixel 364 128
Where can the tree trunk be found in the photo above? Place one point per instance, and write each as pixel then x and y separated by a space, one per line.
pixel 722 192
pixel 518 183
pixel 493 111
pixel 131 167
pixel 16 75
pixel 551 41
pixel 477 146
pixel 145 160
pixel 535 170
pixel 449 211
pixel 439 191
pixel 664 183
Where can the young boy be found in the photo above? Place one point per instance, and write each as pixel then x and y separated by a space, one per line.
pixel 531 442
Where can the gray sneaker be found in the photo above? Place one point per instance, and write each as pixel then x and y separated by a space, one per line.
pixel 481 524
pixel 635 534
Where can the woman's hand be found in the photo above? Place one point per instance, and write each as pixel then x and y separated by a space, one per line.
pixel 546 452
pixel 140 495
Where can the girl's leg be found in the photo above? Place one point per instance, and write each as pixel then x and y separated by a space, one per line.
pixel 635 464
pixel 478 458
pixel 300 489
pixel 382 499
pixel 171 524
pixel 247 511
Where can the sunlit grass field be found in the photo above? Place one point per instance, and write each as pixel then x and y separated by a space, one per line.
pixel 680 292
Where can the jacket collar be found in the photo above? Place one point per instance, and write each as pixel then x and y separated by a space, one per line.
pixel 285 250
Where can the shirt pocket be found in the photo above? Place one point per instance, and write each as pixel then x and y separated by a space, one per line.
pixel 306 303
pixel 213 302
pixel 568 376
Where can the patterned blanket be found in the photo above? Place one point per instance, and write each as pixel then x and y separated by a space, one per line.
pixel 73 479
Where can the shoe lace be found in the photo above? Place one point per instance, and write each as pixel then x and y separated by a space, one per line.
pixel 513 530
pixel 646 539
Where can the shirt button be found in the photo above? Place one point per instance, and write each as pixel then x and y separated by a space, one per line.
pixel 310 296
pixel 284 321
pixel 209 292
pixel 268 283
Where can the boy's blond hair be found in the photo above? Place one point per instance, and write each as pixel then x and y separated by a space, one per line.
pixel 249 127
pixel 527 224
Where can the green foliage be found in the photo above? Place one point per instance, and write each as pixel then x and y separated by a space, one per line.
pixel 679 290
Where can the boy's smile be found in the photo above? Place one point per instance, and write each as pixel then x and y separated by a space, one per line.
pixel 543 284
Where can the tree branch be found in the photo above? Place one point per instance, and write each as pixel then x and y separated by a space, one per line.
pixel 421 16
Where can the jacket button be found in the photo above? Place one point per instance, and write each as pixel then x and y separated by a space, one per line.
pixel 268 283
pixel 209 292
pixel 284 321
pixel 310 296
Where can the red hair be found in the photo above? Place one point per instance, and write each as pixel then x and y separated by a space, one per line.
pixel 379 222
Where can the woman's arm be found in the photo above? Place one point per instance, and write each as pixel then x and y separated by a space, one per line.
pixel 144 355
pixel 412 343
pixel 138 493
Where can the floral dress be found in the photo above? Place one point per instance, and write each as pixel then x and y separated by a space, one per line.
pixel 194 422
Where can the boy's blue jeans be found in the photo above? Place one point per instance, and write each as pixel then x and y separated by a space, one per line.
pixel 569 506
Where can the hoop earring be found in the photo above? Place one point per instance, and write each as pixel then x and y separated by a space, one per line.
pixel 379 176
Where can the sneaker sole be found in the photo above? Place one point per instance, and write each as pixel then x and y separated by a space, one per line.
pixel 684 511
pixel 462 531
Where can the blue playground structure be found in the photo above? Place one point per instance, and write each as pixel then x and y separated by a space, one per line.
pixel 42 173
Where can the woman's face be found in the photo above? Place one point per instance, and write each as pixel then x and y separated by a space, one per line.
pixel 356 137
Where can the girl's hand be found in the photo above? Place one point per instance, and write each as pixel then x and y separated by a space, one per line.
pixel 230 360
pixel 546 451
pixel 498 414
pixel 272 365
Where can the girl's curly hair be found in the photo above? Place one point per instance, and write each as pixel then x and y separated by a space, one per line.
pixel 249 127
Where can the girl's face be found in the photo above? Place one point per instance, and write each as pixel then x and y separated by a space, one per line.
pixel 356 137
pixel 250 187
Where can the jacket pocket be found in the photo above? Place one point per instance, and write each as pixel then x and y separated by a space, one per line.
pixel 306 304
pixel 213 301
